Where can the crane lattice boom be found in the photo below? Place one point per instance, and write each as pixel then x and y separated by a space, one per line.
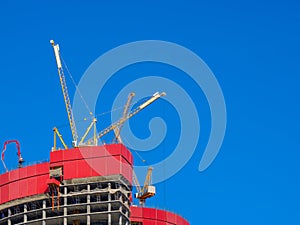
pixel 64 88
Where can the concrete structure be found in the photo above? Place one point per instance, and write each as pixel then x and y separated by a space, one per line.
pixel 86 186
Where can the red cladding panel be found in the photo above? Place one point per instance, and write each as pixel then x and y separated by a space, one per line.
pixel 31 170
pixel 33 186
pixel 23 187
pixel 83 169
pixel 98 165
pixel 4 193
pixel 70 170
pixel 13 175
pixel 23 172
pixel 136 211
pixel 155 216
pixel 171 217
pixel 149 222
pixel 149 213
pixel 161 215
pixel 4 178
pixel 160 223
pixel 14 190
pixel 42 186
pixel 56 156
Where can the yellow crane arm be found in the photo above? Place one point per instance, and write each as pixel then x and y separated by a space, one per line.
pixel 113 126
pixel 65 92
pixel 148 179
pixel 117 130
pixel 148 190
pixel 136 182
pixel 56 132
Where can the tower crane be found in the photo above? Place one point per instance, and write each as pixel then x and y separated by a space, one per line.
pixel 118 123
pixel 147 191
pixel 117 126
pixel 117 130
pixel 64 88
pixel 20 159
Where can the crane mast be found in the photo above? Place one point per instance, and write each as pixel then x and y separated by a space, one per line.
pixel 63 84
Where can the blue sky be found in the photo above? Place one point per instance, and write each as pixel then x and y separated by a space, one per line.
pixel 251 46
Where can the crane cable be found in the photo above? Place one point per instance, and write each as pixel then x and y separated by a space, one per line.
pixel 76 86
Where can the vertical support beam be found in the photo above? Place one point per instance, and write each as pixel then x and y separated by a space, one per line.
pixel 88 208
pixel 109 219
pixel 120 219
pixel 44 213
pixel 25 213
pixel 109 206
pixel 9 217
pixel 65 206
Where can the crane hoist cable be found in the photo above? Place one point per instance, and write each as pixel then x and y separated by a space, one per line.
pixel 76 87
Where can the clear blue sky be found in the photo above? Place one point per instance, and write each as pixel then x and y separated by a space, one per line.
pixel 251 46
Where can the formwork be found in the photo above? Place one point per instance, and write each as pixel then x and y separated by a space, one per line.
pixel 79 186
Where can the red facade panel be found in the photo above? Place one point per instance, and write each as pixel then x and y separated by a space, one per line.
pixel 23 188
pixel 31 170
pixel 23 172
pixel 149 213
pixel 161 215
pixel 171 218
pixel 155 216
pixel 4 193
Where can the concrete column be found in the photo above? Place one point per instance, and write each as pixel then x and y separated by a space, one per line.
pixel 44 211
pixel 65 206
pixel 25 213
pixel 65 193
pixel 88 220
pixel 109 219
pixel 9 215
pixel 120 220
pixel 88 208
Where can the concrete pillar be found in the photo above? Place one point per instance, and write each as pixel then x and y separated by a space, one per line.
pixel 44 211
pixel 65 206
pixel 65 193
pixel 88 220
pixel 120 220
pixel 109 219
pixel 25 213
pixel 9 215
pixel 88 208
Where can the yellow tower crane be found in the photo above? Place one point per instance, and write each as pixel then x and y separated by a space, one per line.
pixel 147 191
pixel 118 123
pixel 117 130
pixel 117 126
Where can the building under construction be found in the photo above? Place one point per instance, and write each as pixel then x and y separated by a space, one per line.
pixel 83 185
